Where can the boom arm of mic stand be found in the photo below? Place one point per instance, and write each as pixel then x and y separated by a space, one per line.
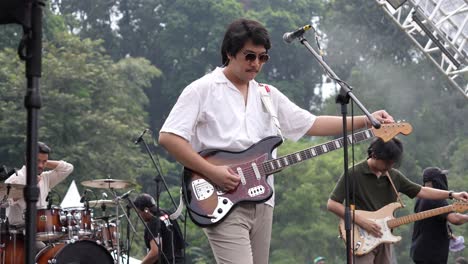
pixel 162 178
pixel 343 99
pixel 345 90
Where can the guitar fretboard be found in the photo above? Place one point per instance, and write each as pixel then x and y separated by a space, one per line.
pixel 275 165
pixel 418 216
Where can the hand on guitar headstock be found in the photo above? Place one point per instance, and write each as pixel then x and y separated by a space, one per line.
pixel 461 196
pixel 383 117
pixel 389 131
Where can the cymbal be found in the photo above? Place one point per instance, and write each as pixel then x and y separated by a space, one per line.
pixel 96 203
pixel 13 190
pixel 107 184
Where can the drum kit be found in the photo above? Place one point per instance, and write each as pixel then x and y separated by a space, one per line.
pixel 70 235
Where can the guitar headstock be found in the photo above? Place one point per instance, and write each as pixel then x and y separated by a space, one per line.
pixel 389 131
pixel 460 207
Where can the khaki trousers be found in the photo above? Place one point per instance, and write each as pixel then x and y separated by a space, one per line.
pixel 243 237
pixel 382 254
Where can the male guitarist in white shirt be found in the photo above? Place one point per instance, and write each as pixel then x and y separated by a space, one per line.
pixel 371 189
pixel 223 110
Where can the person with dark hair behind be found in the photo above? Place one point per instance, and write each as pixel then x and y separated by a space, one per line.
pixel 228 110
pixel 170 236
pixel 431 236
pixel 374 183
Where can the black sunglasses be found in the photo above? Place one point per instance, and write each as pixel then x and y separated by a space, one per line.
pixel 251 57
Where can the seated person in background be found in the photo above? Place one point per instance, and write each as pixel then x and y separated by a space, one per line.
pixel 158 220
pixel 56 172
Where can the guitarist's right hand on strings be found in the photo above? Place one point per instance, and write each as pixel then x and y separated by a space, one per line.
pixel 224 177
pixel 370 226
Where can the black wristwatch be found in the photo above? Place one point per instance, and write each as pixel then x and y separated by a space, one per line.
pixel 451 195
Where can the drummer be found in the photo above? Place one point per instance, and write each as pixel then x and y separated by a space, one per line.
pixel 49 174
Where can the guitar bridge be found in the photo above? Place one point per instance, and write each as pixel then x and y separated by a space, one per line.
pixel 202 189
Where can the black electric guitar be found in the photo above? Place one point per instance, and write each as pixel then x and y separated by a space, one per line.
pixel 208 204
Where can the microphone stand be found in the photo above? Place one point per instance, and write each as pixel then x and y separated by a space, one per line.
pixel 158 222
pixel 129 224
pixel 32 43
pixel 159 177
pixel 343 99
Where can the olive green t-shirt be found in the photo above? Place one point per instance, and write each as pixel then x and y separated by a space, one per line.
pixel 372 192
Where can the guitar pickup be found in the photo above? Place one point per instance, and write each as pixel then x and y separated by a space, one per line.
pixel 256 191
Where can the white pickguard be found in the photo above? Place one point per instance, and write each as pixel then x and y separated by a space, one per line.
pixel 365 242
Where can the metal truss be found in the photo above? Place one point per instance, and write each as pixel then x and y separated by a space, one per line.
pixel 440 29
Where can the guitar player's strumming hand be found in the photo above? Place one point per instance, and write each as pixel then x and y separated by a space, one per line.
pixel 223 177
pixel 370 226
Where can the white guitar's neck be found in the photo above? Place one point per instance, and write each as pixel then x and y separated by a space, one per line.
pixel 418 216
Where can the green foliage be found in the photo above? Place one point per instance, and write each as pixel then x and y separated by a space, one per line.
pixel 97 94
pixel 92 109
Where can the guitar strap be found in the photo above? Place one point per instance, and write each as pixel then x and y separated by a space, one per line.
pixel 397 193
pixel 266 99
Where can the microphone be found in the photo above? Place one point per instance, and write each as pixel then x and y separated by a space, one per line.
pixel 288 37
pixel 125 195
pixel 83 196
pixel 138 140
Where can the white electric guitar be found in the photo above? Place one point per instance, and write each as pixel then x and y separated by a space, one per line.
pixel 365 242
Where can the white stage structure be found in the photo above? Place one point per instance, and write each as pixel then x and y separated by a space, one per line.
pixel 440 29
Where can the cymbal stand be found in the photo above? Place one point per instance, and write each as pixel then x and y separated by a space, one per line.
pixel 129 224
pixel 70 226
pixel 117 223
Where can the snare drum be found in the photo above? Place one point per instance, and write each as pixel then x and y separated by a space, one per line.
pixel 82 251
pixel 78 219
pixel 48 224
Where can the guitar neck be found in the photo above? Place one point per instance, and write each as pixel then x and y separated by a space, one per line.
pixel 418 216
pixel 275 165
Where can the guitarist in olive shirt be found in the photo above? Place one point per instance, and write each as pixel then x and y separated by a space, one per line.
pixel 371 189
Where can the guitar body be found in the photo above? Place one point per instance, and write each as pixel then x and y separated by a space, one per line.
pixel 207 203
pixel 364 242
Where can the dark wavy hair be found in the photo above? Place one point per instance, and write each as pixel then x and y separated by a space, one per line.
pixel 391 150
pixel 238 33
